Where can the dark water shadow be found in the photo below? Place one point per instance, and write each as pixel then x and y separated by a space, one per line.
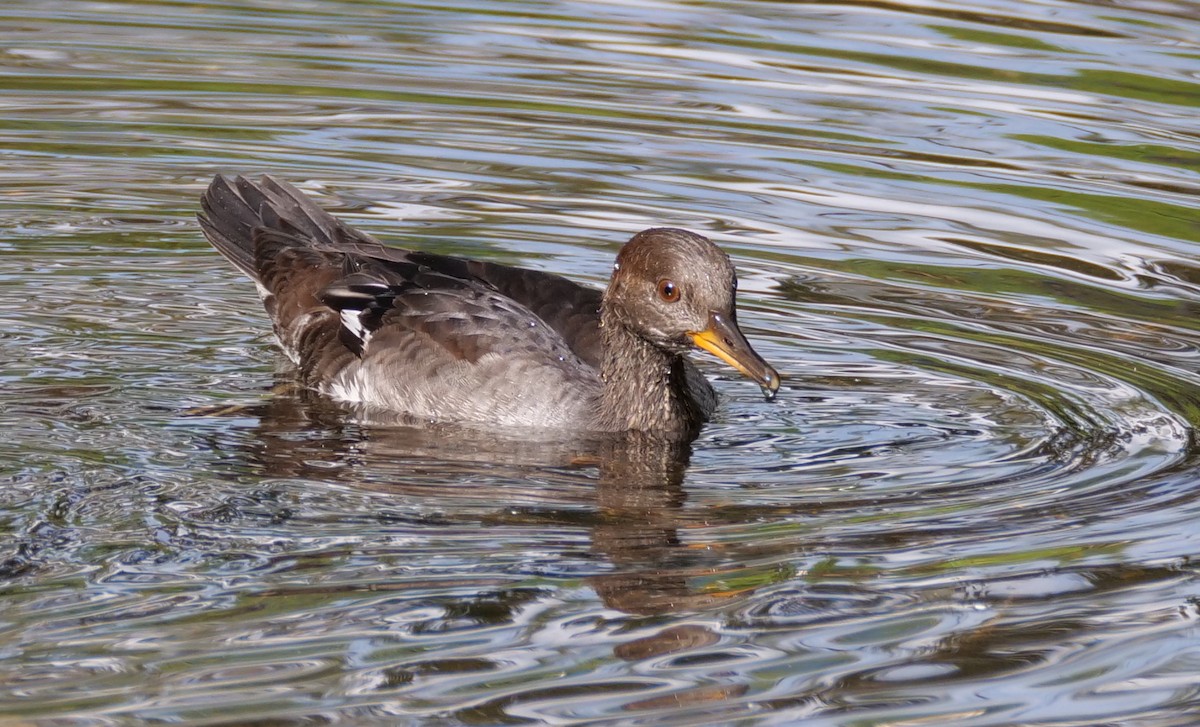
pixel 627 491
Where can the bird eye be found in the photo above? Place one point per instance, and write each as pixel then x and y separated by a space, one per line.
pixel 668 291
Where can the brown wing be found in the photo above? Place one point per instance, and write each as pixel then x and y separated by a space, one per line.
pixel 239 214
pixel 409 338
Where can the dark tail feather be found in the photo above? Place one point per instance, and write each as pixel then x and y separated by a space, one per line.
pixel 234 208
pixel 228 222
pixel 296 212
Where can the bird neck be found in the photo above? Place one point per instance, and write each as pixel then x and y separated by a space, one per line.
pixel 644 387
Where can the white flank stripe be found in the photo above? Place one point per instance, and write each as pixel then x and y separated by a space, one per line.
pixel 352 321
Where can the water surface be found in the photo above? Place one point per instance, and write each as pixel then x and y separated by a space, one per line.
pixel 967 236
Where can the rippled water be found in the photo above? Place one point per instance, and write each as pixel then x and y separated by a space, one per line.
pixel 967 236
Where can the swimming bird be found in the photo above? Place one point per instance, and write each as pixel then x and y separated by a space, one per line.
pixel 437 338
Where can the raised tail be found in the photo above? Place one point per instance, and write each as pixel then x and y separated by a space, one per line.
pixel 234 209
